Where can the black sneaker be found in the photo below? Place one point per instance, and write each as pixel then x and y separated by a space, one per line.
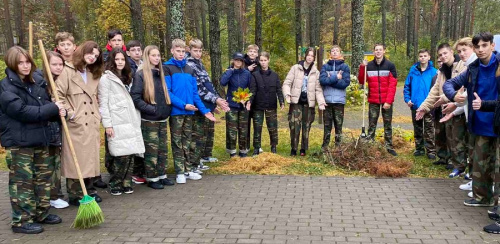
pixel 232 155
pixel 167 182
pixel 28 228
pixel 116 192
pixel 418 153
pixel 51 219
pixel 96 197
pixel 273 149
pixel 475 203
pixel 493 228
pixel 242 155
pixel 302 152
pixel 392 152
pixel 255 152
pixel 493 214
pixel 74 202
pixel 99 183
pixel 449 166
pixel 293 152
pixel 155 185
pixel 440 162
pixel 431 156
pixel 128 190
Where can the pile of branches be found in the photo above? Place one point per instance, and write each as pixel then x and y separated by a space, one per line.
pixel 366 156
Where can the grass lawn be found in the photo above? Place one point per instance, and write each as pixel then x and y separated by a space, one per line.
pixel 312 164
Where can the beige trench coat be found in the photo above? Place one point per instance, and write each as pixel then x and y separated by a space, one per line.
pixel 292 86
pixel 83 122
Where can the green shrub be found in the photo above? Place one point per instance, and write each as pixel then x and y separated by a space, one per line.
pixel 354 94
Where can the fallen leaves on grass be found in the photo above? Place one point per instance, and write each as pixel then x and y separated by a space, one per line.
pixel 366 156
pixel 264 163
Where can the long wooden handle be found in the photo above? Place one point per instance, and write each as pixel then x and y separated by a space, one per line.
pixel 364 96
pixel 63 119
pixel 30 41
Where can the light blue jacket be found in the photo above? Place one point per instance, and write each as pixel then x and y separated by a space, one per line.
pixel 333 88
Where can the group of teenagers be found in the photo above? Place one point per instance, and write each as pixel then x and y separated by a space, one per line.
pixel 133 94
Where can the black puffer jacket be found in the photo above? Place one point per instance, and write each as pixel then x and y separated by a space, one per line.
pixel 153 112
pixel 25 112
pixel 266 89
pixel 55 127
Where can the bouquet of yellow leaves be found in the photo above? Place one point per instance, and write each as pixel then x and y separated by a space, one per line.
pixel 242 95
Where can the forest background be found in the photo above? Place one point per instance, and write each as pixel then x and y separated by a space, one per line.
pixel 281 27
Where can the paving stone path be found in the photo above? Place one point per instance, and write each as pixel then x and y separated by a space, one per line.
pixel 275 209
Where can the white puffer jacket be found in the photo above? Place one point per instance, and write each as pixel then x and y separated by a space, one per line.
pixel 118 111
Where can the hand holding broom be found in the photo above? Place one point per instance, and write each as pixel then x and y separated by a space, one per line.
pixel 89 213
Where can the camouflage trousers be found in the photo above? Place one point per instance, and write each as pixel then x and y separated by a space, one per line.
pixel 30 181
pixel 236 130
pixel 456 129
pixel 423 133
pixel 55 160
pixel 484 168
pixel 155 156
pixel 108 159
pixel 138 168
pixel 373 114
pixel 333 116
pixel 75 190
pixel 181 129
pixel 300 118
pixel 121 176
pixel 272 126
pixel 198 139
pixel 442 147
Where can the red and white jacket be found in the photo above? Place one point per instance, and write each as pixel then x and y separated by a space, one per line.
pixel 382 81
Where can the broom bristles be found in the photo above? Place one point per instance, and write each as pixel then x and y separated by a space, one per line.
pixel 89 214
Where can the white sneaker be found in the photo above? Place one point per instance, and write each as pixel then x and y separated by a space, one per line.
pixel 260 150
pixel 59 203
pixel 471 195
pixel 467 186
pixel 208 160
pixel 192 176
pixel 181 179
pixel 203 167
pixel 197 171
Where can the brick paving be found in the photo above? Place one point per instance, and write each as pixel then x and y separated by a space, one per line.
pixel 275 209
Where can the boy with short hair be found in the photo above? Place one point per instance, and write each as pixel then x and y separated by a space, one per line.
pixel 251 64
pixel 417 86
pixel 134 53
pixel 115 40
pixel 65 45
pixel 203 129
pixel 183 91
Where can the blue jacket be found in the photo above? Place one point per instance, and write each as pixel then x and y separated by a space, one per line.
pixel 418 84
pixel 469 80
pixel 182 88
pixel 333 88
pixel 233 79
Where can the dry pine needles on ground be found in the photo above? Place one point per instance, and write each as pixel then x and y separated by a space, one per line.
pixel 265 164
pixel 369 157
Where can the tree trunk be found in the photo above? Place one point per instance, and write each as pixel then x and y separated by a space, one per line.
pixel 472 17
pixel 243 22
pixel 204 23
pixel 163 47
pixel 437 16
pixel 384 20
pixel 258 23
pixel 336 21
pixel 357 34
pixel 298 29
pixel 136 21
pixel 197 15
pixel 409 27
pixel 168 20
pixel 176 24
pixel 417 28
pixel 215 52
pixel 19 21
pixel 232 29
pixel 466 18
pixel 9 37
pixel 69 24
